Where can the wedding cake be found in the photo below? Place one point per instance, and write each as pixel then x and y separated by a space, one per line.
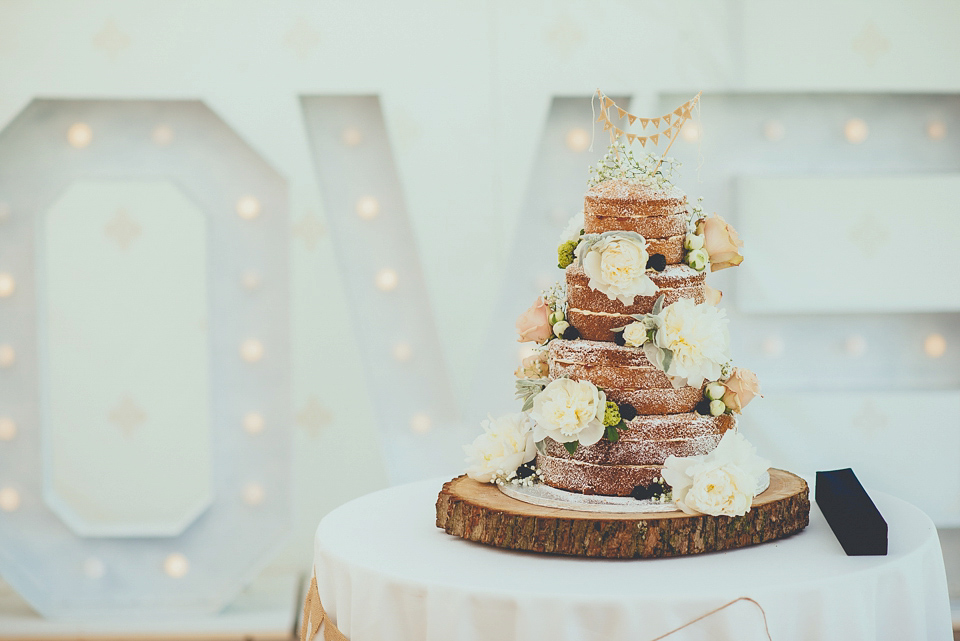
pixel 630 390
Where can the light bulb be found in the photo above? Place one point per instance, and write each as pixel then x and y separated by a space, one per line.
pixel 94 568
pixel 253 494
pixel 8 429
pixel 936 130
pixel 251 350
pixel 368 207
pixel 8 356
pixel 351 136
pixel 935 345
pixel 4 212
pixel 855 131
pixel 7 285
pixel 250 280
pixel 79 135
pixel 9 499
pixel 253 423
pixel 772 346
pixel 690 131
pixel 420 423
pixel 162 135
pixel 402 351
pixel 578 140
pixel 248 207
pixel 774 131
pixel 386 280
pixel 855 345
pixel 176 565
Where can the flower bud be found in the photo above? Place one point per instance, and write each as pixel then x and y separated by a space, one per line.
pixel 717 408
pixel 698 259
pixel 715 391
pixel 556 317
pixel 560 327
pixel 693 241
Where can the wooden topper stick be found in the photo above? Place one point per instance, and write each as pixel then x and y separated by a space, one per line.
pixel 674 138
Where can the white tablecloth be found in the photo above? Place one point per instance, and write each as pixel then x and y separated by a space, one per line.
pixel 386 573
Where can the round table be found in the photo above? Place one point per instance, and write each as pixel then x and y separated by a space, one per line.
pixel 386 573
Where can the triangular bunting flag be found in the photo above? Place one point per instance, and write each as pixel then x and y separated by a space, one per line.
pixel 631 118
pixel 606 125
pixel 654 138
pixel 667 118
pixel 656 123
pixel 631 138
pixel 669 132
pixel 602 116
pixel 679 110
pixel 644 122
pixel 686 114
pixel 643 140
pixel 619 131
pixel 607 103
pixel 621 112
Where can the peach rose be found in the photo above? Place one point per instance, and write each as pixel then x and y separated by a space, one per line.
pixel 712 295
pixel 534 366
pixel 534 324
pixel 742 387
pixel 721 242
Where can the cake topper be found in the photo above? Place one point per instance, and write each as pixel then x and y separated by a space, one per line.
pixel 673 120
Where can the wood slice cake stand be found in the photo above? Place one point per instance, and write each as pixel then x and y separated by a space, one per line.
pixel 481 512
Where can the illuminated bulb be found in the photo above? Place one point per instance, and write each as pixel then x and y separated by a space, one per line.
pixel 855 345
pixel 4 212
pixel 94 568
pixel 402 352
pixel 250 280
pixel 253 422
pixel 162 135
pixel 386 280
pixel 420 423
pixel 8 356
pixel 526 351
pixel 935 345
pixel 8 429
pixel 774 131
pixel 351 136
pixel 79 135
pixel 9 499
pixel 368 207
pixel 248 207
pixel 578 139
pixel 690 131
pixel 936 130
pixel 855 131
pixel 253 494
pixel 772 346
pixel 176 565
pixel 7 285
pixel 251 350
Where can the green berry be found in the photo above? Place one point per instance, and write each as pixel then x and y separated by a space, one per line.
pixel 565 253
pixel 611 416
pixel 717 408
pixel 556 317
pixel 715 391
pixel 559 328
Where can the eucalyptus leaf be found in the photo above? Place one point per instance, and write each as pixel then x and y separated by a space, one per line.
pixel 667 360
pixel 541 446
pixel 658 305
pixel 612 434
pixel 571 447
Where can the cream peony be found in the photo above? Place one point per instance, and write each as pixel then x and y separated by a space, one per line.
pixel 721 242
pixel 697 340
pixel 635 334
pixel 568 410
pixel 722 482
pixel 534 324
pixel 573 230
pixel 506 444
pixel 742 387
pixel 533 366
pixel 616 265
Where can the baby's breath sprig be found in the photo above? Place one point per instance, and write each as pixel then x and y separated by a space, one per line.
pixel 620 163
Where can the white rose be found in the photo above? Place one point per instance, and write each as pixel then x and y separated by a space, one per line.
pixel 617 266
pixel 573 229
pixel 568 410
pixel 697 336
pixel 506 444
pixel 722 482
pixel 635 334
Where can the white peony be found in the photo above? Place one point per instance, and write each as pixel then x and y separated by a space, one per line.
pixel 568 410
pixel 635 334
pixel 725 481
pixel 506 444
pixel 617 266
pixel 698 339
pixel 573 230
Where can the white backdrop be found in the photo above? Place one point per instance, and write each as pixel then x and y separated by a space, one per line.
pixel 466 90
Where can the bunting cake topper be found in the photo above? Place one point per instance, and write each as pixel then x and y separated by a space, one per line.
pixel 666 126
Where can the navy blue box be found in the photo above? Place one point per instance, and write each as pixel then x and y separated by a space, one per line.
pixel 854 519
